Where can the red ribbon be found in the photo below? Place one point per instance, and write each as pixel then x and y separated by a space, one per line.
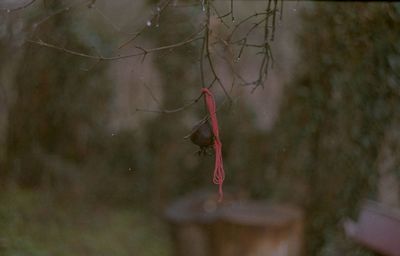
pixel 219 173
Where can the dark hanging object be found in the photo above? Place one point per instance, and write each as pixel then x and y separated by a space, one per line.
pixel 202 136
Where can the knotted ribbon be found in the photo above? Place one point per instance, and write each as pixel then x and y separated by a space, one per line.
pixel 219 173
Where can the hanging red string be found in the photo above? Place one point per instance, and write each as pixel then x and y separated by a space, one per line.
pixel 219 173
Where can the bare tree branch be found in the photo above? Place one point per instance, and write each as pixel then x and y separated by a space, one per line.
pixel 236 46
pixel 144 52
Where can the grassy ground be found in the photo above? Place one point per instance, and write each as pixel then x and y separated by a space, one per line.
pixel 33 224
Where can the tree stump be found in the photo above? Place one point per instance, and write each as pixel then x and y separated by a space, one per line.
pixel 259 228
pixel 202 227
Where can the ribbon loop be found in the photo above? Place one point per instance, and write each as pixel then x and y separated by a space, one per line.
pixel 219 173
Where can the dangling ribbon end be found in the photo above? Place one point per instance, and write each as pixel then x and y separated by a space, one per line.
pixel 219 174
pixel 221 194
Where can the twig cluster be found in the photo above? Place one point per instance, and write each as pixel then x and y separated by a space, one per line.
pixel 258 19
pixel 236 40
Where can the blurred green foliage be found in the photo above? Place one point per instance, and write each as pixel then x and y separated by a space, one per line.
pixel 32 224
pixel 59 112
pixel 343 97
pixel 67 184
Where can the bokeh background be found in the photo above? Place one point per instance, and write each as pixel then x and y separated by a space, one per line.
pixel 84 172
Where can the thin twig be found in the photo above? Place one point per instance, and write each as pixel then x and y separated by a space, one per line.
pixel 263 70
pixel 110 22
pixel 38 24
pixel 208 54
pixel 184 5
pixel 19 7
pixel 92 66
pixel 154 16
pixel 219 16
pixel 266 31
pixel 244 39
pixel 203 47
pixel 97 57
pixel 273 20
pixel 172 111
pixel 152 94
pixel 239 24
pixel 233 17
